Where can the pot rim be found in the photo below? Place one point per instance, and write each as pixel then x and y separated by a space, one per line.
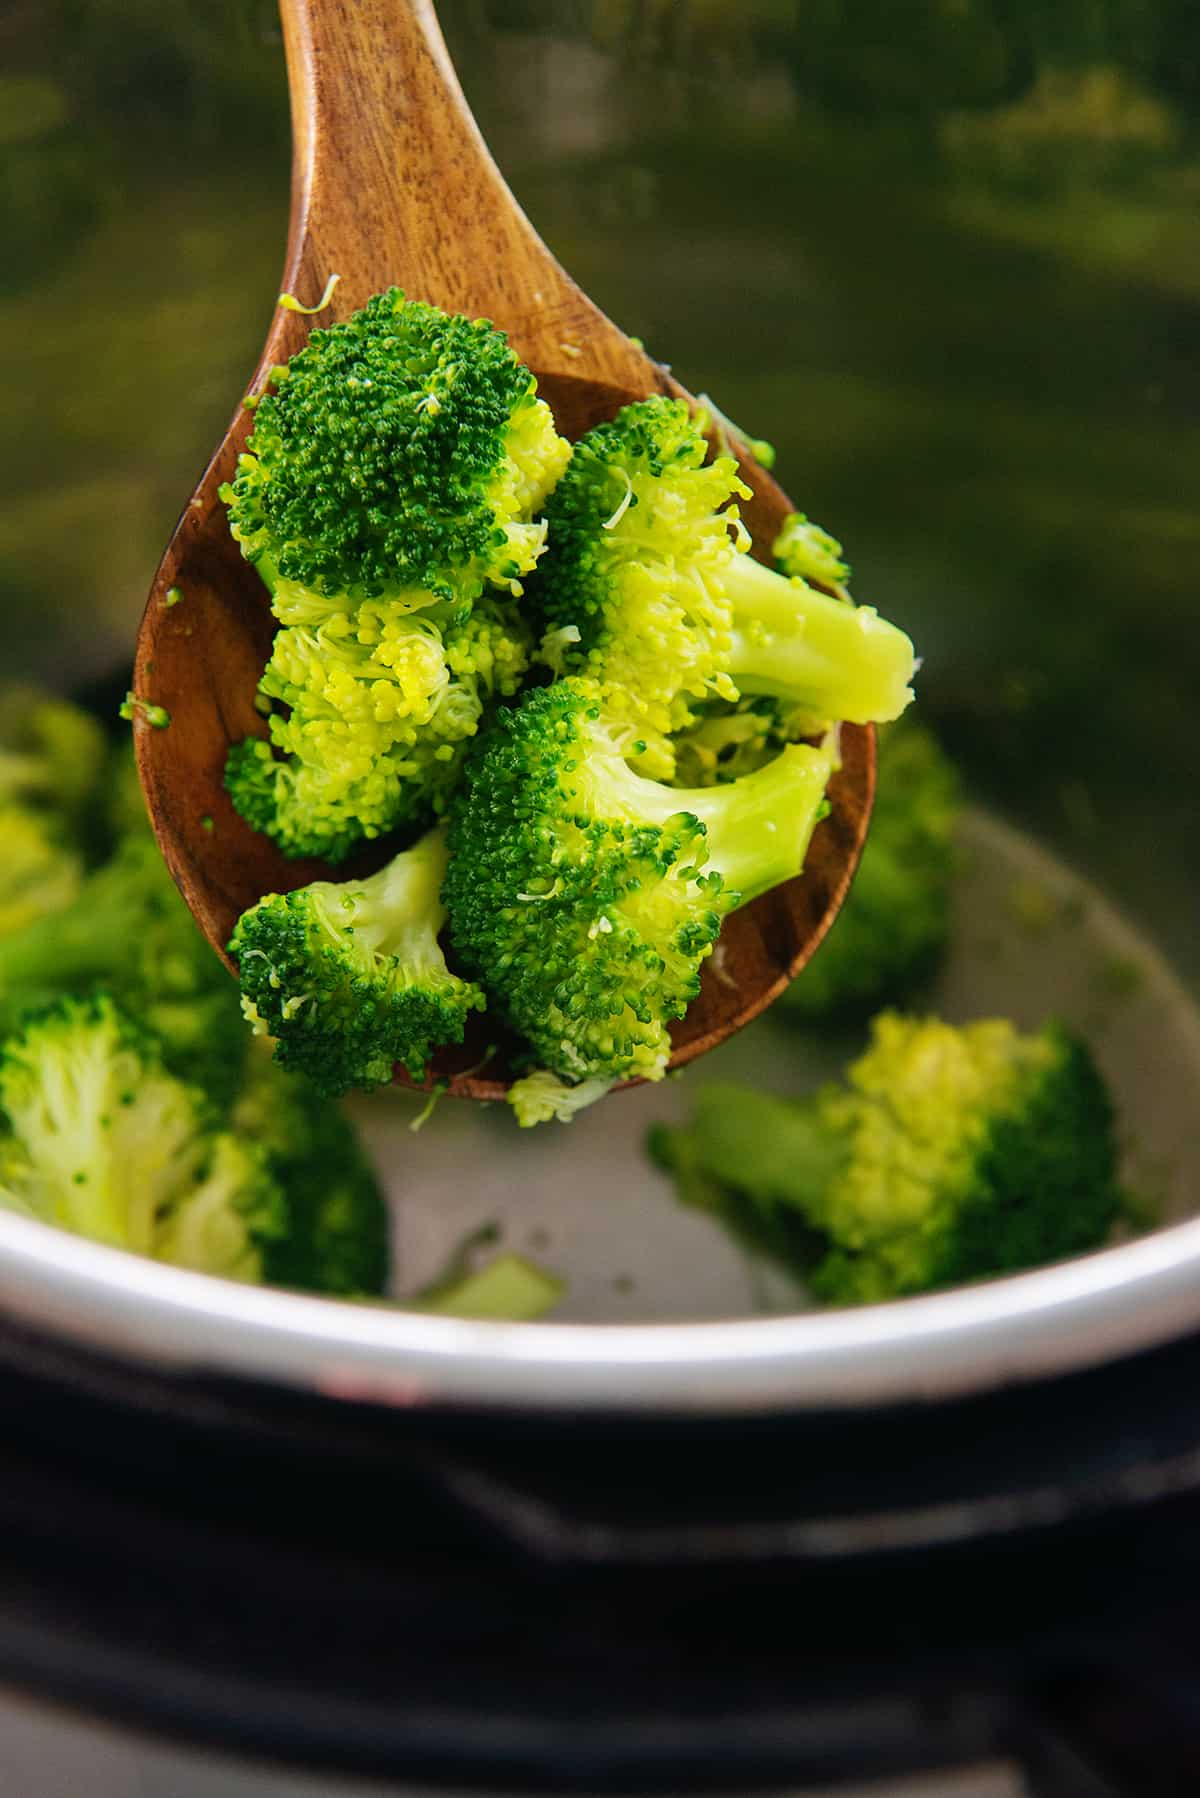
pixel 1024 1327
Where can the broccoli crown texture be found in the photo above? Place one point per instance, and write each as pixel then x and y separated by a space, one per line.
pixel 644 591
pixel 127 931
pixel 949 1154
pixel 631 590
pixel 101 1140
pixel 402 449
pixel 586 897
pixel 337 1241
pixel 893 927
pixel 349 979
pixel 381 705
pixel 807 553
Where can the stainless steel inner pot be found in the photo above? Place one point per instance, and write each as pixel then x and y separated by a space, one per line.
pixel 953 273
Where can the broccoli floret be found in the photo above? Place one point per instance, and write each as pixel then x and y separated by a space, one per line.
pixel 381 707
pixel 53 758
pixel 349 978
pixel 949 1154
pixel 891 931
pixel 807 553
pixel 39 873
pixel 128 931
pixel 337 1241
pixel 52 761
pixel 403 449
pixel 643 591
pixel 390 482
pixel 586 897
pixel 101 1140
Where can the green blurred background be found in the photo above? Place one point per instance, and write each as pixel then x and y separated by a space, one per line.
pixel 944 253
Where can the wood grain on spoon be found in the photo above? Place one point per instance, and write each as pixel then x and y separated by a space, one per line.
pixel 393 184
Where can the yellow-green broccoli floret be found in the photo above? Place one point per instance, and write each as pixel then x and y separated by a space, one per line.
pixel 805 552
pixel 381 705
pixel 128 932
pixel 586 898
pixel 644 590
pixel 350 979
pixel 949 1154
pixel 101 1140
pixel 402 449
pixel 893 927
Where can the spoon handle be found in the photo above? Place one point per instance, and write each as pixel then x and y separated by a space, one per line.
pixel 392 182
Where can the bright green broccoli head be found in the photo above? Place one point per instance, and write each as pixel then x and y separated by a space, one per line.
pixel 631 589
pixel 893 927
pixel 338 1236
pixel 402 449
pixel 381 705
pixel 128 931
pixel 644 591
pixel 587 897
pixel 951 1153
pixel 349 979
pixel 101 1140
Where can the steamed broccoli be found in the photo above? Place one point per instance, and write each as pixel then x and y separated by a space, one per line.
pixel 101 1140
pixel 381 705
pixel 337 1237
pixel 39 872
pixel 387 496
pixel 349 978
pixel 949 1154
pixel 52 759
pixel 402 455
pixel 643 590
pixel 804 552
pixel 893 927
pixel 586 897
pixel 128 931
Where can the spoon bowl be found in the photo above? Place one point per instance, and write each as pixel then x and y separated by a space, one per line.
pixel 393 185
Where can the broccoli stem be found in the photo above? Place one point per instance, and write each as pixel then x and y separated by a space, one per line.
pixel 396 912
pixel 834 659
pixel 758 827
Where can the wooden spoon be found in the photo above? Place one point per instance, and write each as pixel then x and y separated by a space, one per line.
pixel 393 184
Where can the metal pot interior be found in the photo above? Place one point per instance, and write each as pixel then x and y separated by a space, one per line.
pixel 957 305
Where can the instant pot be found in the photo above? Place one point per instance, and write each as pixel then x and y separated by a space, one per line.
pixel 690 1534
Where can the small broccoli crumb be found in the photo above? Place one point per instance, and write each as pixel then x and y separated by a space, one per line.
pixel 133 707
pixel 172 596
pixel 290 303
pixel 437 1094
